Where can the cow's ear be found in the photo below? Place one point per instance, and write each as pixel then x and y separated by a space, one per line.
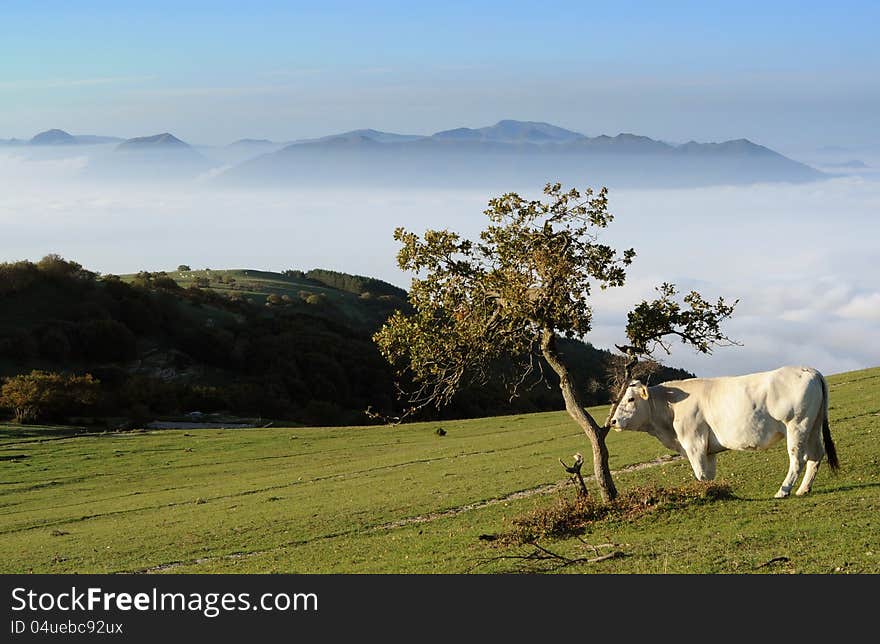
pixel 643 392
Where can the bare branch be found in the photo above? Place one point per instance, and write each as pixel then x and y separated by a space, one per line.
pixel 575 471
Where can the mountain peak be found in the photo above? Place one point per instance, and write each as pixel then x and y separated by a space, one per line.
pixel 512 131
pixel 734 147
pixel 164 140
pixel 53 137
pixel 364 135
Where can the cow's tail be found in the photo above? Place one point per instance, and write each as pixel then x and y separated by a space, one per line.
pixel 830 449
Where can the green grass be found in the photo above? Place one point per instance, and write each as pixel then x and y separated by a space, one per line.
pixel 378 499
pixel 256 286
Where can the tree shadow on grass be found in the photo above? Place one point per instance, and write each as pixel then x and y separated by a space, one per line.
pixel 843 488
pixel 10 432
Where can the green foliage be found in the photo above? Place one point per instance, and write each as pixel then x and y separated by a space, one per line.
pixel 183 268
pixel 477 303
pixel 159 280
pixel 57 267
pixel 42 395
pixel 356 284
pixel 699 325
pixel 19 276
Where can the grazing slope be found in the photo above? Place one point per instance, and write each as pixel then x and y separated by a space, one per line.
pixel 405 499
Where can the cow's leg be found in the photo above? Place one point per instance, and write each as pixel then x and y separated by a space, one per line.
pixel 709 467
pixel 809 476
pixel 702 462
pixel 815 452
pixel 796 435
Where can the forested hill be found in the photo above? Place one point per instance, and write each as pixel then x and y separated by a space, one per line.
pixel 294 345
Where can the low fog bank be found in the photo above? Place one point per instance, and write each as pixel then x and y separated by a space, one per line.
pixel 801 258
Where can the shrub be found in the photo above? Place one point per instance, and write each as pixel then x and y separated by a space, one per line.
pixel 57 267
pixel 46 395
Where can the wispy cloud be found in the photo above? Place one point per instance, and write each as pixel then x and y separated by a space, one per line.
pixel 52 83
pixel 295 72
pixel 207 92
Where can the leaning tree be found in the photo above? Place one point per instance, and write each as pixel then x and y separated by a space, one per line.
pixel 505 298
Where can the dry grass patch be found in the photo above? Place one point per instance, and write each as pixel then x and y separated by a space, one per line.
pixel 569 517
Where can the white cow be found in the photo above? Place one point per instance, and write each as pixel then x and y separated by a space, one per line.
pixel 704 416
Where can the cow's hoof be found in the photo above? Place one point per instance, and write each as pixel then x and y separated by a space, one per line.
pixel 781 494
pixel 802 492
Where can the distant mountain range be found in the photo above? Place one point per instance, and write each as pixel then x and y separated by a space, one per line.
pixel 515 153
pixel 510 153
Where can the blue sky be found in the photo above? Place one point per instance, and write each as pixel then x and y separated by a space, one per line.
pixel 787 74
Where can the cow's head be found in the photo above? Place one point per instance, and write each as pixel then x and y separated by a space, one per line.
pixel 633 411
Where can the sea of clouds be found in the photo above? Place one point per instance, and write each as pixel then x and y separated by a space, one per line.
pixel 801 259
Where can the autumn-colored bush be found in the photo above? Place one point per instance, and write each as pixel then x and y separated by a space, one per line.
pixel 43 395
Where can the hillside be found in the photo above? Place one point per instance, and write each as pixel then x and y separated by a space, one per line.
pixel 353 299
pixel 295 345
pixel 405 500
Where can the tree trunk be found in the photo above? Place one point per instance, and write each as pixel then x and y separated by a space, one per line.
pixel 576 409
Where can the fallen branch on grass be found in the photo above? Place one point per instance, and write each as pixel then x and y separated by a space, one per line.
pixel 542 554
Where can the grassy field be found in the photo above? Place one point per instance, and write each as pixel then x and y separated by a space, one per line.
pixel 380 500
